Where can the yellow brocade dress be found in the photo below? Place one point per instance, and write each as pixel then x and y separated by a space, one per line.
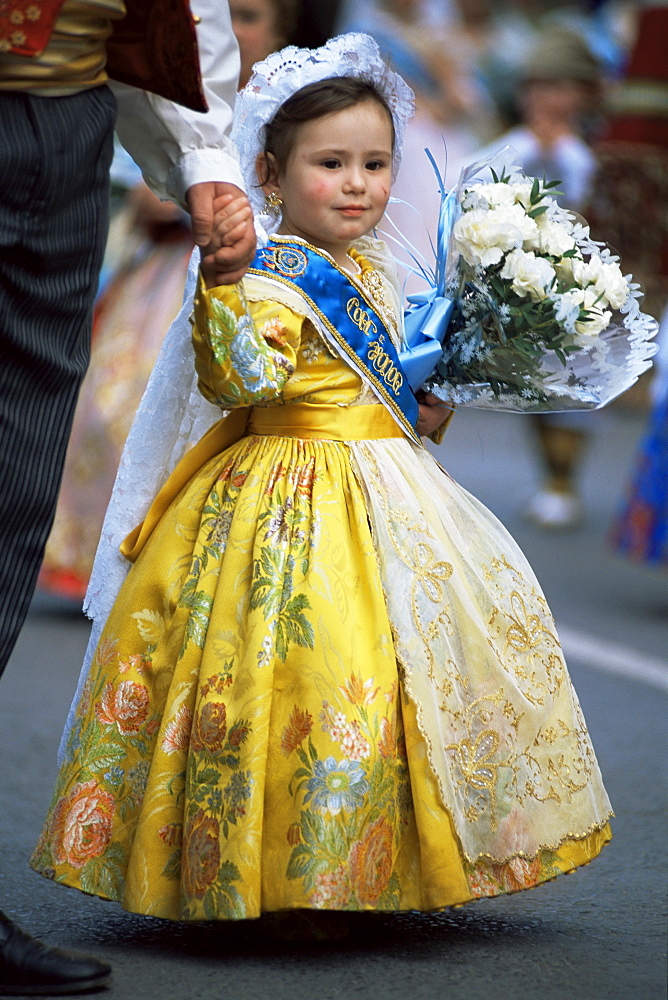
pixel 330 680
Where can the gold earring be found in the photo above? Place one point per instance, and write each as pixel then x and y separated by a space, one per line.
pixel 272 203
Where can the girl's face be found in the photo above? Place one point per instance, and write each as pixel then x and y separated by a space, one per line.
pixel 336 182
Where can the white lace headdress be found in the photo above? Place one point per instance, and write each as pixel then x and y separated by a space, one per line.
pixel 173 415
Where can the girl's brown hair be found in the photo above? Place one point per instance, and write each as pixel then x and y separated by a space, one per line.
pixel 325 97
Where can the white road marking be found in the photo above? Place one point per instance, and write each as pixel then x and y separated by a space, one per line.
pixel 613 658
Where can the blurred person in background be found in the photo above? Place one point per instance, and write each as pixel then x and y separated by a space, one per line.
pixel 503 33
pixel 453 115
pixel 493 38
pixel 263 26
pixel 559 93
pixel 640 530
pixel 144 274
pixel 629 209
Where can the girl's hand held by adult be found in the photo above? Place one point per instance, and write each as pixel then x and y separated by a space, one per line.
pixel 222 226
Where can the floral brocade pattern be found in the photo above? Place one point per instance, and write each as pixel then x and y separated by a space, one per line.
pixel 482 660
pixel 180 744
pixel 326 667
pixel 355 804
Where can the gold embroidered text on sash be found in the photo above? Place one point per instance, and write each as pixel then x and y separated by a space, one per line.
pixel 383 364
pixel 360 317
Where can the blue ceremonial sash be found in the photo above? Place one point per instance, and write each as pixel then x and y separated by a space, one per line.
pixel 348 317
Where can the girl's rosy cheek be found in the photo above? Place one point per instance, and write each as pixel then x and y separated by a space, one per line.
pixel 321 189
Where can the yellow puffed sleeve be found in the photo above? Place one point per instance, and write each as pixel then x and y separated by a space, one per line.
pixel 244 352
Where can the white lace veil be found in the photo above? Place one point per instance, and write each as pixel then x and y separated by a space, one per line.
pixel 173 415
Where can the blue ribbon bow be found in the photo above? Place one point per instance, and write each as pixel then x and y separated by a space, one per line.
pixel 428 315
pixel 425 324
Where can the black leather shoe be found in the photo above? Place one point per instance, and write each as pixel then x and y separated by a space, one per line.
pixel 30 968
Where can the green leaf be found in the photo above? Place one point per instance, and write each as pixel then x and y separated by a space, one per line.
pixel 221 327
pixel 105 875
pixel 208 776
pixel 270 581
pixel 320 866
pixel 228 872
pixel 181 776
pixel 234 905
pixel 389 899
pixel 199 603
pixel 335 842
pixel 172 869
pixel 230 399
pixel 300 861
pixel 312 827
pixel 108 756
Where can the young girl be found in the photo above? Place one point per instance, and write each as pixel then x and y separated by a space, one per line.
pixel 330 680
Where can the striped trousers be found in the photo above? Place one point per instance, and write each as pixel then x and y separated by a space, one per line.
pixel 54 193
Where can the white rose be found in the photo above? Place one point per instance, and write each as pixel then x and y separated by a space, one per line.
pixel 612 284
pixel 592 298
pixel 482 237
pixel 494 194
pixel 596 267
pixel 521 191
pixel 598 318
pixel 552 237
pixel 595 324
pixel 583 273
pixel 515 215
pixel 529 275
pixel 564 268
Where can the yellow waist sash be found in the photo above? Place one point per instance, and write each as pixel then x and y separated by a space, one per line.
pixel 329 423
pixel 297 420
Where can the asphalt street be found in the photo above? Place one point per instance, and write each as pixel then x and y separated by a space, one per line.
pixel 599 934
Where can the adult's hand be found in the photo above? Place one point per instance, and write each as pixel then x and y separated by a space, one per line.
pixel 222 227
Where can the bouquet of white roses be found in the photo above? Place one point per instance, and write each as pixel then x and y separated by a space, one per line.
pixel 544 319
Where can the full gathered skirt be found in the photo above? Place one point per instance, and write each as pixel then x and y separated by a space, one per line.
pixel 330 681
